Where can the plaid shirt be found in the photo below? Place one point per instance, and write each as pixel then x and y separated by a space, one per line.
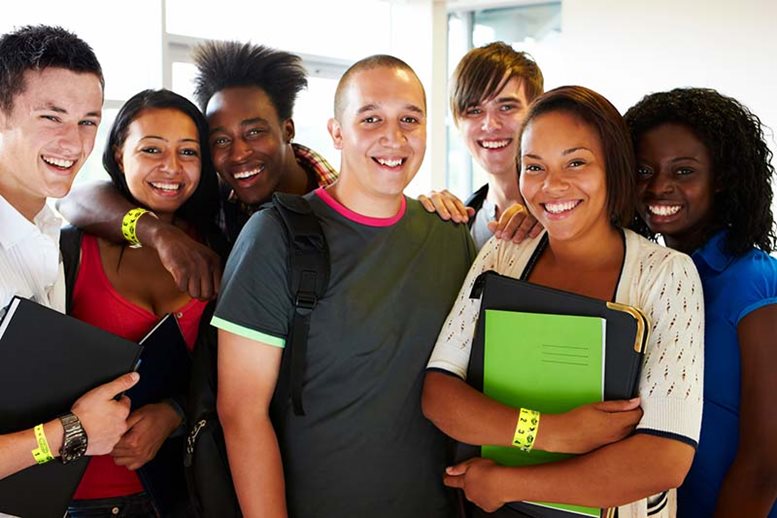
pixel 235 213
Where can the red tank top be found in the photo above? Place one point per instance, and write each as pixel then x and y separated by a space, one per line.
pixel 96 301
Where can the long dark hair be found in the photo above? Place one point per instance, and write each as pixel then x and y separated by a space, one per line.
pixel 201 209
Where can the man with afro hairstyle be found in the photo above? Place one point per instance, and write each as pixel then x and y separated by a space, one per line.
pixel 247 92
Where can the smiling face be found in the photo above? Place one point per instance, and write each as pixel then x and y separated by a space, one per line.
pixel 563 176
pixel 490 128
pixel 675 185
pixel 248 142
pixel 47 136
pixel 160 159
pixel 381 133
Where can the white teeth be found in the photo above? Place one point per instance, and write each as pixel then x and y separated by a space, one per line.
pixel 247 174
pixel 664 210
pixel 558 208
pixel 166 186
pixel 494 144
pixel 389 162
pixel 64 164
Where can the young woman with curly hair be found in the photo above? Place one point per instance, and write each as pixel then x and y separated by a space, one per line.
pixel 704 177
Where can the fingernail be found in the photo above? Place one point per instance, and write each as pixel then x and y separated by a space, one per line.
pixel 134 376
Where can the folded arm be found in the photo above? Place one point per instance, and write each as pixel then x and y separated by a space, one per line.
pixel 474 418
pixel 616 474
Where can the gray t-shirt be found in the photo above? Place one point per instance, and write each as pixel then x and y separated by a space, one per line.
pixel 363 449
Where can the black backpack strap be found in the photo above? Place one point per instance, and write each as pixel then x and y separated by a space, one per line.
pixel 308 262
pixel 476 200
pixel 70 248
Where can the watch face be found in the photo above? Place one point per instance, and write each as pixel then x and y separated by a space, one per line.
pixel 75 441
pixel 75 449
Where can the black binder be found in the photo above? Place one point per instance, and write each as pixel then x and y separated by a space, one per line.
pixel 165 370
pixel 627 333
pixel 47 361
pixel 165 365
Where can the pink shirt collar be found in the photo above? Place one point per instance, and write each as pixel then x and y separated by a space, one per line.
pixel 360 218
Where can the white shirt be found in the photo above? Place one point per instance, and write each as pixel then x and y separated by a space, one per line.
pixel 480 231
pixel 30 262
pixel 660 281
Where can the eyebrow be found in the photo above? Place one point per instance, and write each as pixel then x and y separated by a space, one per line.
pixel 681 158
pixel 563 153
pixel 508 99
pixel 157 137
pixel 58 109
pixel 243 123
pixel 370 107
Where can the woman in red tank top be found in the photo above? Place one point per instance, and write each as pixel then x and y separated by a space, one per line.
pixel 157 156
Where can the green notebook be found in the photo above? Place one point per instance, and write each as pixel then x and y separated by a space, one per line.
pixel 550 363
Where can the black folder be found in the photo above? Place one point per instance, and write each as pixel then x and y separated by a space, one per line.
pixel 165 370
pixel 627 332
pixel 47 361
pixel 165 365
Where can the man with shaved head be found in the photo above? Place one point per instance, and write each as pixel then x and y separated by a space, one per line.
pixel 362 447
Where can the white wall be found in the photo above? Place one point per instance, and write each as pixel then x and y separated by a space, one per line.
pixel 626 49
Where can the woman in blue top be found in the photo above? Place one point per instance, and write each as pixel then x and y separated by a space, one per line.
pixel 704 185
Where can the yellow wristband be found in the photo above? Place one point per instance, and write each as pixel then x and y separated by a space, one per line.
pixel 41 454
pixel 129 224
pixel 526 429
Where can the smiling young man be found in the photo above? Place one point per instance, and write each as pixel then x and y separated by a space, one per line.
pixel 51 96
pixel 363 447
pixel 247 92
pixel 491 90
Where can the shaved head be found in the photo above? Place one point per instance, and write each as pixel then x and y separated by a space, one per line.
pixel 368 63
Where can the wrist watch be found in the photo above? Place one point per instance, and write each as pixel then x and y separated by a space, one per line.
pixel 75 441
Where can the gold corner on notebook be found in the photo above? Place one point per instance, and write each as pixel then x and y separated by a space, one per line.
pixel 639 339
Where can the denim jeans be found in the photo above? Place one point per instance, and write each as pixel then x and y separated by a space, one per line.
pixel 132 506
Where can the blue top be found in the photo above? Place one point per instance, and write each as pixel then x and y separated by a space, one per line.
pixel 734 286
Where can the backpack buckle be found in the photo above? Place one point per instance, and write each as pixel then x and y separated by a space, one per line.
pixel 305 301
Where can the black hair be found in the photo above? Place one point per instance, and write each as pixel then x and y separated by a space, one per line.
pixel 596 111
pixel 36 47
pixel 741 160
pixel 225 64
pixel 201 209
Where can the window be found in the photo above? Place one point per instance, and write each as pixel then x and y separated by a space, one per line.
pixel 530 28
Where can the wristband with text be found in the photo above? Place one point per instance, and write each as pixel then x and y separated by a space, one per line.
pixel 526 429
pixel 41 454
pixel 129 224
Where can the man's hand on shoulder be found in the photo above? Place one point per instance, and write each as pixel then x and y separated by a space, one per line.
pixel 515 224
pixel 447 206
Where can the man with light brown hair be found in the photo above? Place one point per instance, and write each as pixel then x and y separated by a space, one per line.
pixel 491 89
